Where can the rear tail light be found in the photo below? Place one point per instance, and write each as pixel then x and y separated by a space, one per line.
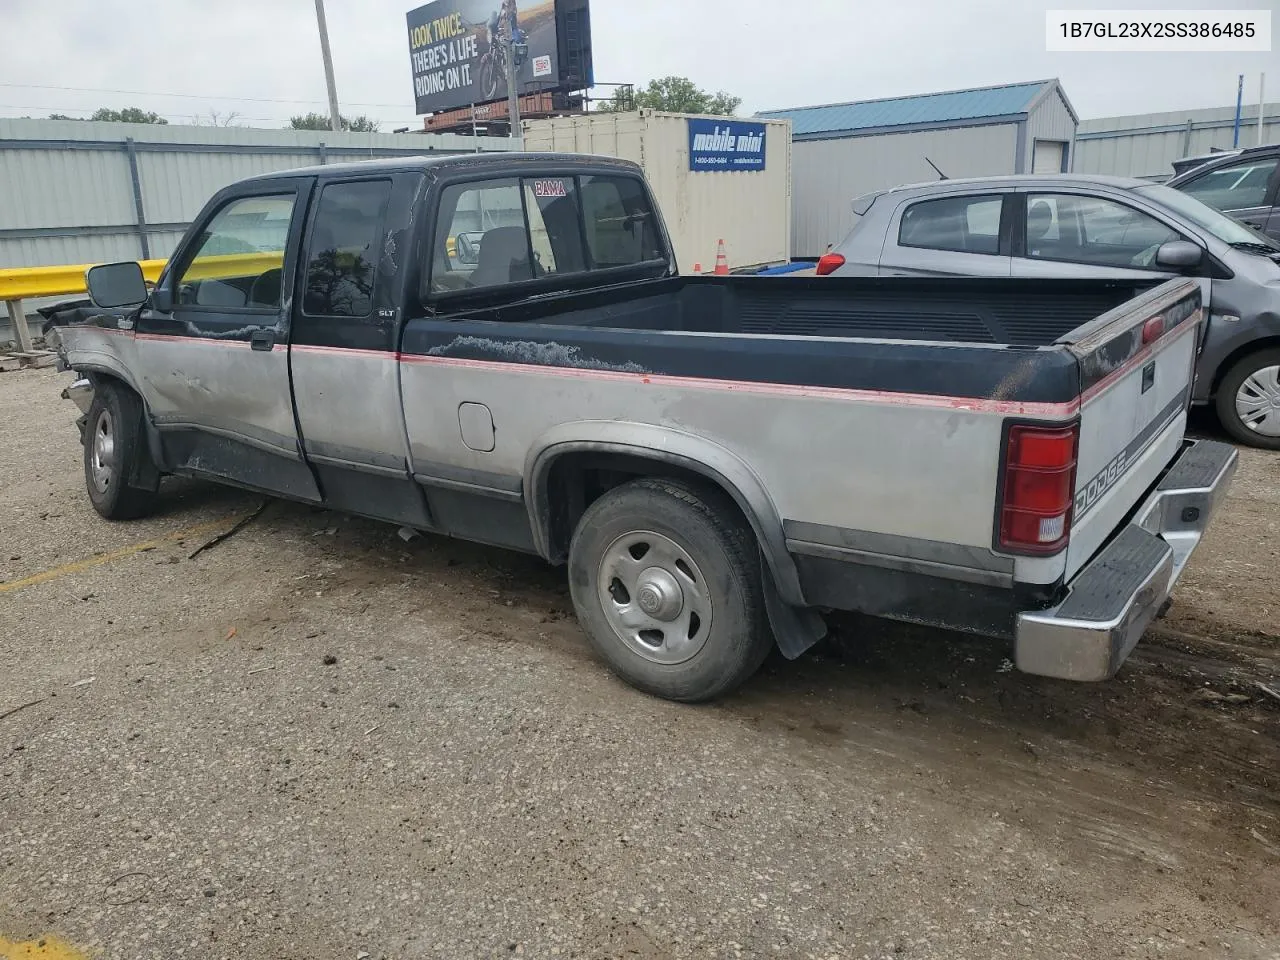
pixel 830 263
pixel 1039 487
pixel 1152 330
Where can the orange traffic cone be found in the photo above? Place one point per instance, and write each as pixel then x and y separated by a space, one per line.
pixel 697 269
pixel 722 261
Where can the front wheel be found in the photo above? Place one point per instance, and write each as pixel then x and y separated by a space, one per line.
pixel 490 76
pixel 115 452
pixel 666 580
pixel 1249 400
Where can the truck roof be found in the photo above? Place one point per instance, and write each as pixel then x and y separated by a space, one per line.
pixel 497 160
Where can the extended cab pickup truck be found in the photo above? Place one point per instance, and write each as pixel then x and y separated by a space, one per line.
pixel 500 349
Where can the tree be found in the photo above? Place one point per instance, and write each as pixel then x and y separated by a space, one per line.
pixel 108 115
pixel 672 94
pixel 320 121
pixel 216 118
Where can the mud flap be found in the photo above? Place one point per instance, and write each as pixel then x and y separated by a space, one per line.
pixel 148 473
pixel 796 629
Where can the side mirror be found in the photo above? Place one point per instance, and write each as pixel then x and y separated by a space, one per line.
pixel 113 285
pixel 1179 255
pixel 468 248
pixel 162 300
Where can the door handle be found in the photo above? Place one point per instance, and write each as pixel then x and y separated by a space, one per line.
pixel 262 340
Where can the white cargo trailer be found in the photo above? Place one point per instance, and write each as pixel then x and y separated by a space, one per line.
pixel 715 178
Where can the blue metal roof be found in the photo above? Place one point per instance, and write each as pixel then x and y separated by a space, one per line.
pixel 930 108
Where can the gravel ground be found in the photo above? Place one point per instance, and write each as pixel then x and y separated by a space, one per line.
pixel 315 741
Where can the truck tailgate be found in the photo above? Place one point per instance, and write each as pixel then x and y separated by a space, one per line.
pixel 1136 369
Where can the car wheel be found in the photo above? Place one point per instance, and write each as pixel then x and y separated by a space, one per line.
pixel 1248 400
pixel 666 580
pixel 115 451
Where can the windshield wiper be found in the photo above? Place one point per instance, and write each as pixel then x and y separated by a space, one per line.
pixel 1250 246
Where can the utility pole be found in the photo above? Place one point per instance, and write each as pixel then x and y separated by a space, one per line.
pixel 335 118
pixel 513 89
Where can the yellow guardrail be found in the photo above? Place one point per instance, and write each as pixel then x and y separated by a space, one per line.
pixel 26 283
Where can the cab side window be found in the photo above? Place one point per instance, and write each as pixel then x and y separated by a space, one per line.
pixel 239 257
pixel 480 239
pixel 344 249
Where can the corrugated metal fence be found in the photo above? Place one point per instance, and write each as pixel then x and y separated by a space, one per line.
pixel 84 192
pixel 1147 145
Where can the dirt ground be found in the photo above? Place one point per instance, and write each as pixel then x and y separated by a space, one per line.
pixel 317 741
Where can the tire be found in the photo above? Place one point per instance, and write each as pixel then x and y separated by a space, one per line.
pixel 115 451
pixel 666 580
pixel 1257 378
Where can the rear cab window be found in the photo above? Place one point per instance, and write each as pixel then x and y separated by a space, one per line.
pixel 957 224
pixel 497 232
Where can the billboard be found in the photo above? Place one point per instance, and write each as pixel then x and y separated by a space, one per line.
pixel 725 145
pixel 458 50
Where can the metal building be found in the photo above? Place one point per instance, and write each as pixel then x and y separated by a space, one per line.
pixel 76 191
pixel 1146 145
pixel 841 151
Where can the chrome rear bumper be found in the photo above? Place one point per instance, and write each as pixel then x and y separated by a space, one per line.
pixel 1113 600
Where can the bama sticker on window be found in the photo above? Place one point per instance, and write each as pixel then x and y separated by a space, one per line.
pixel 550 188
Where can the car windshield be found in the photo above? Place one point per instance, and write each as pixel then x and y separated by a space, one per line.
pixel 1204 216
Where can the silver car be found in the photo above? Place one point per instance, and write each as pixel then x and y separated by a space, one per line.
pixel 1064 226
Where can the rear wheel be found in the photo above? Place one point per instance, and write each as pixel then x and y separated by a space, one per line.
pixel 1249 400
pixel 115 452
pixel 666 580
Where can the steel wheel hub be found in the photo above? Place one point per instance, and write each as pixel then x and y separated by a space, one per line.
pixel 654 597
pixel 1258 402
pixel 102 457
pixel 659 595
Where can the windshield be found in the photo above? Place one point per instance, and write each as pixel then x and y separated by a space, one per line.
pixel 1204 216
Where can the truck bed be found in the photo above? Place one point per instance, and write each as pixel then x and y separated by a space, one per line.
pixel 1027 313
pixel 961 339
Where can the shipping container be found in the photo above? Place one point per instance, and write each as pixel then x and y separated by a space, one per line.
pixel 722 186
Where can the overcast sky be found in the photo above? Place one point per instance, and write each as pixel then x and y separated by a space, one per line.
pixel 261 58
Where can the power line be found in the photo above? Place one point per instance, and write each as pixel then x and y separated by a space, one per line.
pixel 182 116
pixel 167 116
pixel 187 96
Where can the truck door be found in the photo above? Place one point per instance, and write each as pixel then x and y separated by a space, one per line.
pixel 346 380
pixel 214 364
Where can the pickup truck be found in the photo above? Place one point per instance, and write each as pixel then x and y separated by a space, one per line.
pixel 499 348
